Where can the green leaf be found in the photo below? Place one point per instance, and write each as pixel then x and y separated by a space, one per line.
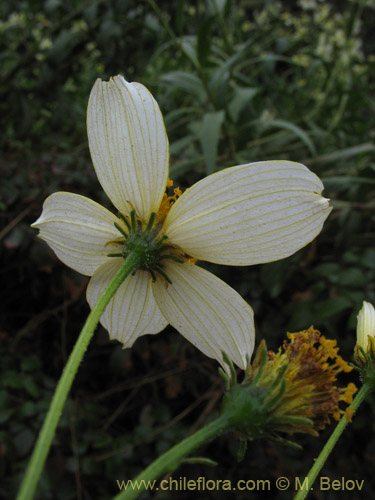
pixel 340 183
pixel 5 407
pixel 327 270
pixel 89 466
pixel 182 167
pixel 330 307
pixel 62 46
pixel 209 138
pixel 180 115
pixel 28 409
pixel 368 259
pixel 180 17
pixel 344 154
pixel 204 40
pixel 109 30
pixel 5 414
pixel 217 6
pixel 188 82
pixel 30 363
pixel 177 146
pixel 188 48
pixel 220 76
pixel 295 129
pixel 273 277
pixel 242 96
pixel 23 441
pixel 302 316
pixel 200 460
pixel 30 386
pixel 352 277
pixel 11 379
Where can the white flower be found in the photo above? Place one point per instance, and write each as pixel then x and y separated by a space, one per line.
pixel 243 215
pixel 366 326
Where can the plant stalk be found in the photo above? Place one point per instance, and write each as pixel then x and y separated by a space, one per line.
pixel 171 459
pixel 43 444
pixel 308 481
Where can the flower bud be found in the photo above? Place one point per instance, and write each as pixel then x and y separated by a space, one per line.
pixel 365 346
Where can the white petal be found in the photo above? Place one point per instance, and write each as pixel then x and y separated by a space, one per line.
pixel 78 230
pixel 128 145
pixel 249 214
pixel 208 312
pixel 132 311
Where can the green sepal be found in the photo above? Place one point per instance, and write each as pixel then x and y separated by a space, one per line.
pixel 121 229
pixel 226 378
pixel 159 270
pixel 285 442
pixel 125 219
pixel 233 373
pixel 271 403
pixel 262 353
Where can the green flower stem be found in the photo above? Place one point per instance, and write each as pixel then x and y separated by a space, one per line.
pixel 47 432
pixel 328 447
pixel 171 459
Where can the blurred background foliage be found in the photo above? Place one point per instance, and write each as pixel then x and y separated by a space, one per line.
pixel 237 82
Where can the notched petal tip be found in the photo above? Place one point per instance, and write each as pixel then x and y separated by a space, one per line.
pixel 128 144
pixel 34 225
pixel 77 229
pixel 325 206
pixel 48 207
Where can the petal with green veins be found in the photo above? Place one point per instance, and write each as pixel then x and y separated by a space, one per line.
pixel 132 311
pixel 78 230
pixel 249 214
pixel 206 311
pixel 129 145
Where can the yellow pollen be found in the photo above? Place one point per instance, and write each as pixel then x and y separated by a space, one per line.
pixel 167 202
pixel 347 397
pixel 348 414
pixel 343 365
pixel 337 415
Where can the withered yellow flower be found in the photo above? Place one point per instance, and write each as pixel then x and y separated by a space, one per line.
pixel 296 388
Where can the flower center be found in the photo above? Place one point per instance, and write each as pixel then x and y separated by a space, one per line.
pixel 147 243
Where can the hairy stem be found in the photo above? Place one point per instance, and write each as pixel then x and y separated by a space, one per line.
pixel 52 418
pixel 308 481
pixel 171 459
